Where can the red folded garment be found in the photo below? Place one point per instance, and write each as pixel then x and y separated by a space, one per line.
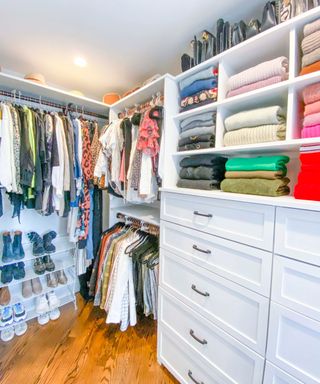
pixel 308 177
pixel 310 158
pixel 314 168
pixel 307 192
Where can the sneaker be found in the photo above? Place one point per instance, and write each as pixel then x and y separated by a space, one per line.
pixel 19 312
pixel 36 286
pixel 5 296
pixel 7 334
pixel 43 318
pixel 20 328
pixel 50 267
pixel 52 280
pixel 6 317
pixel 55 314
pixel 26 289
pixel 53 301
pixel 62 277
pixel 42 305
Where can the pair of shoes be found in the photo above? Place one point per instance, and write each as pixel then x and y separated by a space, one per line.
pixel 42 245
pixel 5 296
pixel 59 277
pixel 52 315
pixel 12 251
pixel 8 333
pixel 16 313
pixel 30 287
pixel 43 264
pixel 46 303
pixel 13 271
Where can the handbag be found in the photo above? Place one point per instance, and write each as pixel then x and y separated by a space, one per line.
pixel 238 33
pixel 269 16
pixel 186 62
pixel 208 45
pixel 196 49
pixel 220 24
pixel 253 28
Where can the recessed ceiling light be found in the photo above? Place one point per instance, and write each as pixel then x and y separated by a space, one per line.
pixel 80 62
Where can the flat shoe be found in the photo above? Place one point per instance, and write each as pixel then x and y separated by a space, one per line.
pixel 36 286
pixel 26 289
pixel 52 281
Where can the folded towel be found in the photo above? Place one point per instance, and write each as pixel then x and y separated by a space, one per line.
pixel 313 131
pixel 209 160
pixel 269 175
pixel 255 117
pixel 311 58
pixel 194 146
pixel 257 85
pixel 261 134
pixel 201 173
pixel 311 43
pixel 311 93
pixel 202 120
pixel 310 68
pixel 262 71
pixel 310 28
pixel 199 85
pixel 204 74
pixel 199 184
pixel 198 131
pixel 260 163
pixel 310 120
pixel 278 187
pixel 197 139
pixel 307 192
pixel 312 108
pixel 200 98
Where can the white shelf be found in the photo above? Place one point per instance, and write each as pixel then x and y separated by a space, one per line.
pixel 147 214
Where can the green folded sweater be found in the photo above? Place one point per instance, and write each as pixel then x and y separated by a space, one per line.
pixel 278 187
pixel 261 163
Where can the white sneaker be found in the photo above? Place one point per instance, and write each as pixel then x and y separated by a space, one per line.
pixel 43 318
pixel 7 334
pixel 42 305
pixel 55 314
pixel 53 301
pixel 20 329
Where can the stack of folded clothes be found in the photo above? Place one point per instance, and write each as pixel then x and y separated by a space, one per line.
pixel 202 172
pixel 311 121
pixel 197 132
pixel 199 89
pixel 310 47
pixel 308 186
pixel 259 76
pixel 255 126
pixel 257 176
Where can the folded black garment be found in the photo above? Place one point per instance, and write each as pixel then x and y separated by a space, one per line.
pixel 197 160
pixel 201 173
pixel 199 184
pixel 196 139
pixel 193 106
pixel 200 145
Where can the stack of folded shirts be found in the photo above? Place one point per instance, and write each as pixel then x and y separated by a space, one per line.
pixel 311 121
pixel 257 176
pixel 310 47
pixel 199 89
pixel 308 186
pixel 202 172
pixel 255 126
pixel 259 76
pixel 197 132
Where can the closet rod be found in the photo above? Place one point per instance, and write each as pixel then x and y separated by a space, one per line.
pixel 70 107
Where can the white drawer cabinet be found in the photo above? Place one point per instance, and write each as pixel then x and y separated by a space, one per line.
pixel 239 311
pixel 248 266
pixel 246 223
pixel 275 375
pixel 297 286
pixel 297 234
pixel 236 362
pixel 294 344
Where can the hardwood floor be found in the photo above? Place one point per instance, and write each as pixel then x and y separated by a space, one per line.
pixel 80 348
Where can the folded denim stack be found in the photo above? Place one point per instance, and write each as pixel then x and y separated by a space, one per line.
pixel 310 47
pixel 199 89
pixel 197 132
pixel 258 125
pixel 201 172
pixel 257 176
pixel 264 74
pixel 311 121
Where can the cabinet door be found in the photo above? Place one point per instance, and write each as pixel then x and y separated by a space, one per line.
pixel 275 375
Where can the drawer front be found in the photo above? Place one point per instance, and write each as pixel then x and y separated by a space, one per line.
pixel 275 375
pixel 232 359
pixel 294 344
pixel 246 223
pixel 297 285
pixel 298 234
pixel 238 311
pixel 247 266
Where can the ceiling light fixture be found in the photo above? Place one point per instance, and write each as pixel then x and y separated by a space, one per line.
pixel 80 62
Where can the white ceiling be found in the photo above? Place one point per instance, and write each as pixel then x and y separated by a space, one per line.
pixel 123 41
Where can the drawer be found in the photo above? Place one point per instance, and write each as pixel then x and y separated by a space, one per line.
pixel 297 285
pixel 298 234
pixel 246 223
pixel 294 344
pixel 275 375
pixel 238 311
pixel 236 362
pixel 247 266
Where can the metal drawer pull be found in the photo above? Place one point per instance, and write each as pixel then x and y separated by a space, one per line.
pixel 203 342
pixel 208 252
pixel 202 214
pixel 193 379
pixel 206 294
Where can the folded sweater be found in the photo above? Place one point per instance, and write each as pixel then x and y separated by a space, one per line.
pixel 311 93
pixel 196 139
pixel 310 28
pixel 204 74
pixel 204 96
pixel 255 117
pixel 310 68
pixel 312 108
pixel 209 160
pixel 277 187
pixel 311 42
pixel 199 184
pixel 198 131
pixel 261 163
pixel 194 146
pixel 201 173
pixel 201 120
pixel 313 131
pixel 310 120
pixel 199 85
pixel 311 57
pixel 269 175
